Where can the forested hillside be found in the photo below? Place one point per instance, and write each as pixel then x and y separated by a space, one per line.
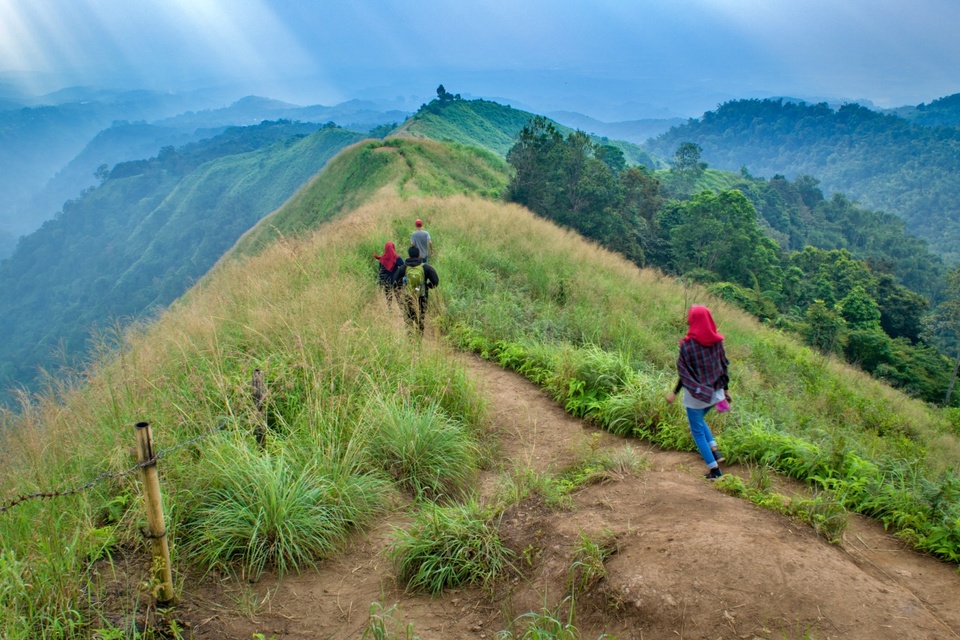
pixel 144 236
pixel 943 112
pixel 122 141
pixel 50 154
pixel 882 161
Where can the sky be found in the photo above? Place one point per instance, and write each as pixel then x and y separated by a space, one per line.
pixel 610 59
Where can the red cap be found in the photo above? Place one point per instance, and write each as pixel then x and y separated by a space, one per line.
pixel 419 223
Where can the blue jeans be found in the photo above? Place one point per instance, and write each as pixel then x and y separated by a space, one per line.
pixel 701 434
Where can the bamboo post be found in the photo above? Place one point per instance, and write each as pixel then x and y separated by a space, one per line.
pixel 158 531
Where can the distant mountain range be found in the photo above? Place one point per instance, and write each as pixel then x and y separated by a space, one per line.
pixel 637 131
pixel 50 153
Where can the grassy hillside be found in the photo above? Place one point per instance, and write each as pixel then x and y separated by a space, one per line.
pixel 492 126
pixel 143 237
pixel 345 379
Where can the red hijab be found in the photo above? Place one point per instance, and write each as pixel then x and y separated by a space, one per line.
pixel 702 327
pixel 389 257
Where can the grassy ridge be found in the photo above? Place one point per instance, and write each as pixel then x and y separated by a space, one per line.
pixel 493 126
pixel 343 372
pixel 408 167
pixel 477 123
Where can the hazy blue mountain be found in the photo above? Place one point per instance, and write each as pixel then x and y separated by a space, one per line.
pixel 38 141
pixel 638 131
pixel 358 115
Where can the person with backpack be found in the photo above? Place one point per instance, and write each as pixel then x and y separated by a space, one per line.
pixel 421 240
pixel 416 279
pixel 389 263
pixel 702 367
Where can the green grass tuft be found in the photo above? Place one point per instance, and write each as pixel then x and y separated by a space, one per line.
pixel 449 546
pixel 266 510
pixel 423 448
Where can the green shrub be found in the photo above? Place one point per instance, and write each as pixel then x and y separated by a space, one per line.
pixel 264 509
pixel 449 546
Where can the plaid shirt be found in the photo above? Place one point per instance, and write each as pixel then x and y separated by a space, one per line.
pixel 702 369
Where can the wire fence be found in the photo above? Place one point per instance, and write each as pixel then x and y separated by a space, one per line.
pixel 103 477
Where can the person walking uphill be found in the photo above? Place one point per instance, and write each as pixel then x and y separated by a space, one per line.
pixel 702 367
pixel 389 263
pixel 421 240
pixel 417 278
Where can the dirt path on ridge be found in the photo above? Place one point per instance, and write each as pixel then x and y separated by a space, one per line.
pixel 691 562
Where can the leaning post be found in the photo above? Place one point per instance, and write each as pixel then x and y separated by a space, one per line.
pixel 158 531
pixel 259 399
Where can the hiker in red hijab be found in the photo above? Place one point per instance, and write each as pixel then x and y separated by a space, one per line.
pixel 390 262
pixel 702 368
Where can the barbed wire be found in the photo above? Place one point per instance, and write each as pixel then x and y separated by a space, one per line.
pixel 43 495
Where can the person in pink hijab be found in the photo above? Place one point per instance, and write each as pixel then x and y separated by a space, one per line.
pixel 390 263
pixel 702 368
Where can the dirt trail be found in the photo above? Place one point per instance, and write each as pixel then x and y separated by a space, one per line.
pixel 691 563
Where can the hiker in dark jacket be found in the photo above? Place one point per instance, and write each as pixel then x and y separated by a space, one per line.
pixel 416 279
pixel 702 367
pixel 389 263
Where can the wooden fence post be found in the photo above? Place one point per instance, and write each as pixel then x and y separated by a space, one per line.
pixel 259 399
pixel 158 530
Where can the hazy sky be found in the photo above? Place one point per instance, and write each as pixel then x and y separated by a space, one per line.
pixel 613 59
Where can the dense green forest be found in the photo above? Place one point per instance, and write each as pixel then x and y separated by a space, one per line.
pixel 144 236
pixel 881 161
pixel 848 280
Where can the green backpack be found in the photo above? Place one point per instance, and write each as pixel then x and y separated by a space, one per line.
pixel 417 281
